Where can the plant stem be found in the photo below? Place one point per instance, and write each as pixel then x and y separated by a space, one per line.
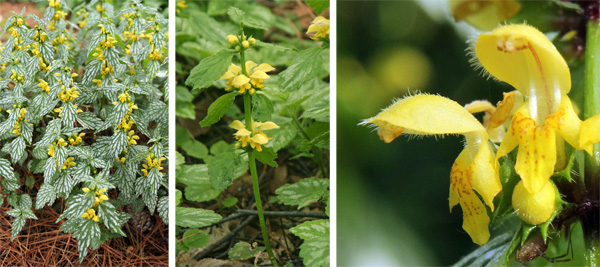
pixel 252 161
pixel 591 107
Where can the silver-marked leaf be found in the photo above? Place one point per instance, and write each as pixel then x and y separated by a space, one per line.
pixel 49 169
pixel 303 192
pixel 89 121
pixel 68 114
pixel 77 206
pixel 6 170
pixel 88 232
pixel 63 182
pixel 192 217
pixel 163 209
pixel 47 194
pixel 111 218
pixel 92 69
pixel 118 143
pixel 16 226
pixel 315 249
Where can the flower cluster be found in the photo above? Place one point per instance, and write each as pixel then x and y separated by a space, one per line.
pixel 90 214
pixel 52 147
pixel 240 42
pixel 257 75
pixel 20 118
pixel 152 162
pixel 76 139
pixel 543 118
pixel 256 138
pixel 319 28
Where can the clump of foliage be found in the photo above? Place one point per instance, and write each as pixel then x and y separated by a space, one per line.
pixel 84 115
pixel 267 99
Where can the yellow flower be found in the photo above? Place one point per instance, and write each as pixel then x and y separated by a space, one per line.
pixel 257 138
pixel 54 3
pixel 523 57
pixel 90 214
pixel 475 169
pixel 319 28
pixel 258 73
pixel 236 79
pixel 484 14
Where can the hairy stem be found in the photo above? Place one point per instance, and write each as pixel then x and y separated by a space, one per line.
pixel 252 161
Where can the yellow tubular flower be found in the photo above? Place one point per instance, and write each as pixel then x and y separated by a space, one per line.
pixel 258 73
pixel 523 57
pixel 475 169
pixel 257 138
pixel 319 28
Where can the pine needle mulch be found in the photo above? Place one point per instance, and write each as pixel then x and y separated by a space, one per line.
pixel 41 243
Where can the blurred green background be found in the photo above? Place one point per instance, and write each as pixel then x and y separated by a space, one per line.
pixel 392 198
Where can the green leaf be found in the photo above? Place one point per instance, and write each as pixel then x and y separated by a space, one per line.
pixel 237 15
pixel 209 70
pixel 220 147
pixel 178 198
pixel 200 192
pixel 273 46
pixel 192 217
pixel 196 149
pixel 266 156
pixel 218 108
pixel 490 254
pixel 222 167
pixel 185 110
pixel 192 174
pixel 262 108
pixel 195 238
pixel 315 249
pixel 306 65
pixel 230 202
pixel 303 192
pixel 319 111
pixel 318 5
pixel 242 250
pixel 182 137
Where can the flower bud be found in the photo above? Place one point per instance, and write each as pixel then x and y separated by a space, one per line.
pixel 252 40
pixel 245 44
pixel 232 39
pixel 534 208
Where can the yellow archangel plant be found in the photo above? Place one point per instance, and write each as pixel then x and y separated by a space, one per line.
pixel 524 58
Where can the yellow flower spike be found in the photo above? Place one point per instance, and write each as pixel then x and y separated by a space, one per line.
pixel 523 57
pixel 534 208
pixel 475 169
